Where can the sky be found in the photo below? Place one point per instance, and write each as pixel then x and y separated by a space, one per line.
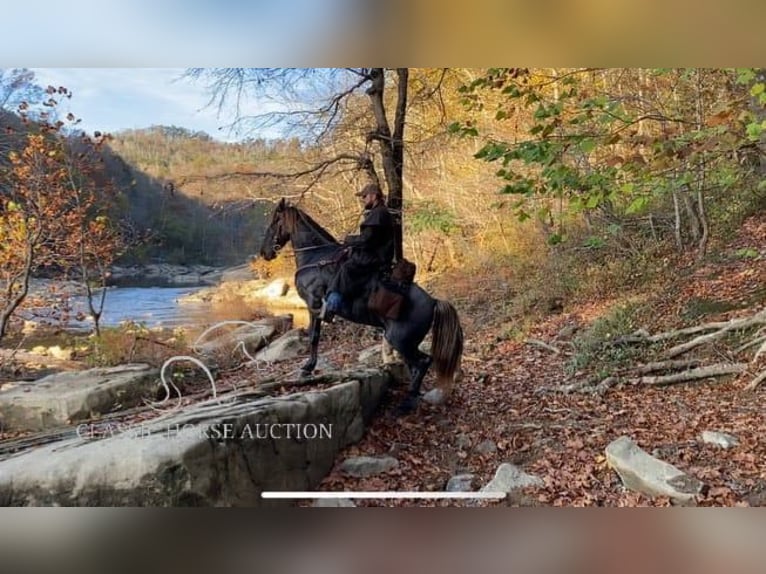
pixel 113 99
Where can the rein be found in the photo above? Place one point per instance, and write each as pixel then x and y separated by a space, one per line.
pixel 311 247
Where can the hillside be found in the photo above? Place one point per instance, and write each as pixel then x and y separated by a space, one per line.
pixel 213 223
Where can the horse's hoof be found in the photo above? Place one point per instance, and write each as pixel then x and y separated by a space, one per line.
pixel 407 406
pixel 305 374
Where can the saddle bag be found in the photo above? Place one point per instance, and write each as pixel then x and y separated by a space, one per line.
pixel 403 272
pixel 386 303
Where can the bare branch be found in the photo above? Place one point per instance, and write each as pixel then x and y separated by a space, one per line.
pixel 358 160
pixel 752 385
pixel 734 324
pixel 543 344
pixel 695 374
pixel 665 366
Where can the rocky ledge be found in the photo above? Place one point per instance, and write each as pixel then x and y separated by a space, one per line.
pixel 217 453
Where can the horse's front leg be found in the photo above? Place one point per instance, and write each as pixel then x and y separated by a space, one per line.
pixel 315 329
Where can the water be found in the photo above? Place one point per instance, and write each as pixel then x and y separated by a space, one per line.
pixel 152 306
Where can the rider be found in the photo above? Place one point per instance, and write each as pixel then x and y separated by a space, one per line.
pixel 371 251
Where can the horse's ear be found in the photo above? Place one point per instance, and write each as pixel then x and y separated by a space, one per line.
pixel 282 204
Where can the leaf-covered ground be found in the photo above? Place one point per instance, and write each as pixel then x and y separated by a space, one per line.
pixel 508 397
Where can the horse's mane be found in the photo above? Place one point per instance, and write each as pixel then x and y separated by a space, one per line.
pixel 296 213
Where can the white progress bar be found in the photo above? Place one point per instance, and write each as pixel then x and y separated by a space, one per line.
pixel 385 495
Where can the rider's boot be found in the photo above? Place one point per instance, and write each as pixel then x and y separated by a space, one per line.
pixel 330 306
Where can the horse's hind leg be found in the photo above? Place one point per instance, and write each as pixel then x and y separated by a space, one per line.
pixel 418 364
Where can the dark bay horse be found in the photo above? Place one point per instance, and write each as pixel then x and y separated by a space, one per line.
pixel 317 255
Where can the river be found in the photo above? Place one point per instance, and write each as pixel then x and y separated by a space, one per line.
pixel 152 306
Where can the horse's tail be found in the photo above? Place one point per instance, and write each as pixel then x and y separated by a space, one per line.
pixel 447 344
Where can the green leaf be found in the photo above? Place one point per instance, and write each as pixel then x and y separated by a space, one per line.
pixel 594 242
pixel 745 75
pixel 754 131
pixel 637 204
pixel 593 201
pixel 748 253
pixel 555 239
pixel 588 145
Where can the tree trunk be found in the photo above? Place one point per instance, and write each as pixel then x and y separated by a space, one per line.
pixel 13 301
pixel 701 173
pixel 677 228
pixel 391 144
pixel 694 221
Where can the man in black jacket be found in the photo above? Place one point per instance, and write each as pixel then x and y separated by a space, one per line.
pixel 371 251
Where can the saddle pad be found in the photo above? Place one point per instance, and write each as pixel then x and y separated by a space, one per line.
pixel 385 303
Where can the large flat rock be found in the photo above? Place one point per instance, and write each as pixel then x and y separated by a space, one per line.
pixel 215 454
pixel 642 472
pixel 63 398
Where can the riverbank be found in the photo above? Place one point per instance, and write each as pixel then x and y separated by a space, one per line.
pixel 166 275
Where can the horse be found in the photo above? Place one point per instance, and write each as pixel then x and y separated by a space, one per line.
pixel 317 256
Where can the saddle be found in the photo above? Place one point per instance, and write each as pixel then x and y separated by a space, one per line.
pixel 389 294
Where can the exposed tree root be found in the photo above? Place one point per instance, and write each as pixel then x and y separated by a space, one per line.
pixel 733 325
pixel 672 369
pixel 752 385
pixel 695 374
pixel 544 345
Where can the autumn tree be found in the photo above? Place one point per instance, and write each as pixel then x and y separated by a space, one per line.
pixel 95 238
pixel 32 221
pixel 614 141
pixel 54 212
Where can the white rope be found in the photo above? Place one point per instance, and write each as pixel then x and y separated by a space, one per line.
pixel 167 385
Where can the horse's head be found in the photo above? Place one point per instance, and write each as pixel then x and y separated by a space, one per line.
pixel 277 234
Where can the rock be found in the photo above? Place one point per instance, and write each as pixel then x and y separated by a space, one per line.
pixel 644 473
pixel 292 344
pixel 463 441
pixel 757 495
pixel 62 354
pixel 567 331
pixel 164 274
pixel 390 355
pixel 371 356
pixel 363 466
pixel 324 365
pixel 239 273
pixel 486 447
pixel 275 289
pixel 509 477
pixel 435 397
pixel 64 398
pixel 334 503
pixel 254 336
pixel 461 483
pixel 29 327
pixel 217 453
pixel 721 439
